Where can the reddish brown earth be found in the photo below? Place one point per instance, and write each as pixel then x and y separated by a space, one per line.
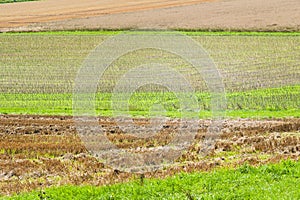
pixel 16 15
pixel 275 15
pixel 43 151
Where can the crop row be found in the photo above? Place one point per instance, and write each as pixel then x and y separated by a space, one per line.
pixel 50 63
pixel 38 72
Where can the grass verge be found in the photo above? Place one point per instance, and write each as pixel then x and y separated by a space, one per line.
pixel 272 181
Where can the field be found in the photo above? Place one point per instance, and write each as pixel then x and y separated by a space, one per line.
pixel 229 129
pixel 260 73
pixel 254 15
pixel 40 147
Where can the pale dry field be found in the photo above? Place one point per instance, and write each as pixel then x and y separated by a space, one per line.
pixel 279 15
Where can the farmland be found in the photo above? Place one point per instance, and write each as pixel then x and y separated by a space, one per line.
pixel 230 15
pixel 260 74
pixel 39 145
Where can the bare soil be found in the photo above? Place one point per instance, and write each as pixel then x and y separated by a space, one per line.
pixel 43 151
pixel 268 15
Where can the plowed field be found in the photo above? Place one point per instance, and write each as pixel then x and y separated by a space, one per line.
pixel 275 15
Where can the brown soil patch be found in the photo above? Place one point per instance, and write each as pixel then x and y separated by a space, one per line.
pixel 43 151
pixel 16 15
pixel 268 15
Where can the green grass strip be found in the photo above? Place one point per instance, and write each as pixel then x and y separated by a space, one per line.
pixel 262 103
pixel 272 181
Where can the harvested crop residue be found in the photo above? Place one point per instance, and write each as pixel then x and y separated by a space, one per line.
pixel 42 151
